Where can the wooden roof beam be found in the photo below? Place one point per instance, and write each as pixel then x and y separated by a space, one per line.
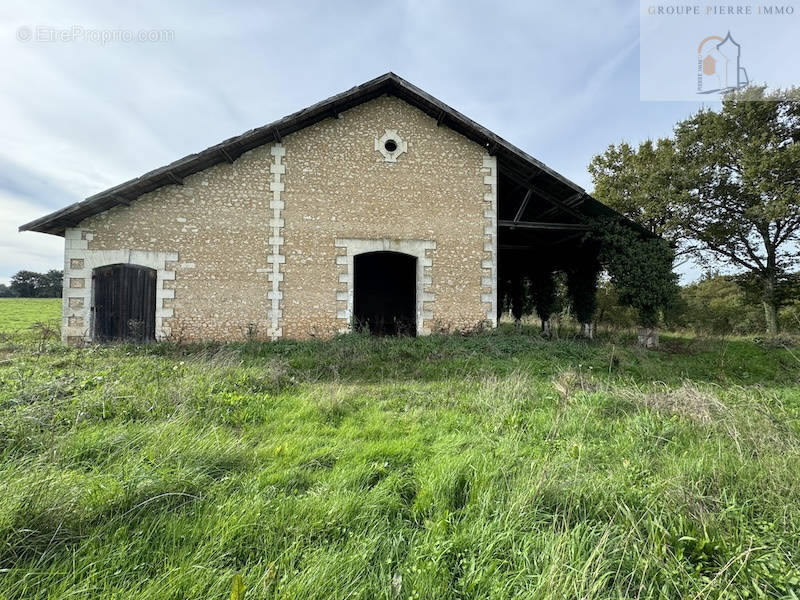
pixel 523 205
pixel 526 181
pixel 571 202
pixel 547 197
pixel 544 225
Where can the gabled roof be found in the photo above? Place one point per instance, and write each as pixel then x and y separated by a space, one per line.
pixel 509 156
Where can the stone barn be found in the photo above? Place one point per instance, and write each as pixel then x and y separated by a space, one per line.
pixel 381 207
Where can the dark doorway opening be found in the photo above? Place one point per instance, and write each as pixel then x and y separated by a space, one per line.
pixel 385 293
pixel 124 303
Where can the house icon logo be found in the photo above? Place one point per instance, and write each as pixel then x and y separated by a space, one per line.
pixel 719 68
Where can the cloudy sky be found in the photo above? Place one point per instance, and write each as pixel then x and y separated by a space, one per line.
pixel 560 80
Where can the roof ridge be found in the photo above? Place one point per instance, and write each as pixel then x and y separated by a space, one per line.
pixel 233 147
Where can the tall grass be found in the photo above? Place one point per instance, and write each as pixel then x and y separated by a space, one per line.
pixel 490 466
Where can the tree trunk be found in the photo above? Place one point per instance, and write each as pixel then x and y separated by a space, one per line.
pixel 648 337
pixel 771 316
pixel 771 303
pixel 546 331
pixel 587 330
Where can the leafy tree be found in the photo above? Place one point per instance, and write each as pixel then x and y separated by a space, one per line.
pixel 787 287
pixel 5 291
pixel 640 268
pixel 745 205
pixel 641 183
pixel 29 284
pixel 51 284
pixel 726 189
pixel 23 284
pixel 790 315
pixel 717 304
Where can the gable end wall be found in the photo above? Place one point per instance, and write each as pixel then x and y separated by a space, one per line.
pixel 251 248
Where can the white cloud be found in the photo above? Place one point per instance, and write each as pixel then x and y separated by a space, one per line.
pixel 28 250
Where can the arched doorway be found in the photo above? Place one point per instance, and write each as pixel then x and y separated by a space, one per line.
pixel 124 303
pixel 385 293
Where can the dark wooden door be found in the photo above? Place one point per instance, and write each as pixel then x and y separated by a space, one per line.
pixel 124 303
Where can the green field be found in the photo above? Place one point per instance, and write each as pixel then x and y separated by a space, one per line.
pixel 496 465
pixel 18 314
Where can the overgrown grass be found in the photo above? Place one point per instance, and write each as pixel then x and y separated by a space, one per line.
pixel 492 466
